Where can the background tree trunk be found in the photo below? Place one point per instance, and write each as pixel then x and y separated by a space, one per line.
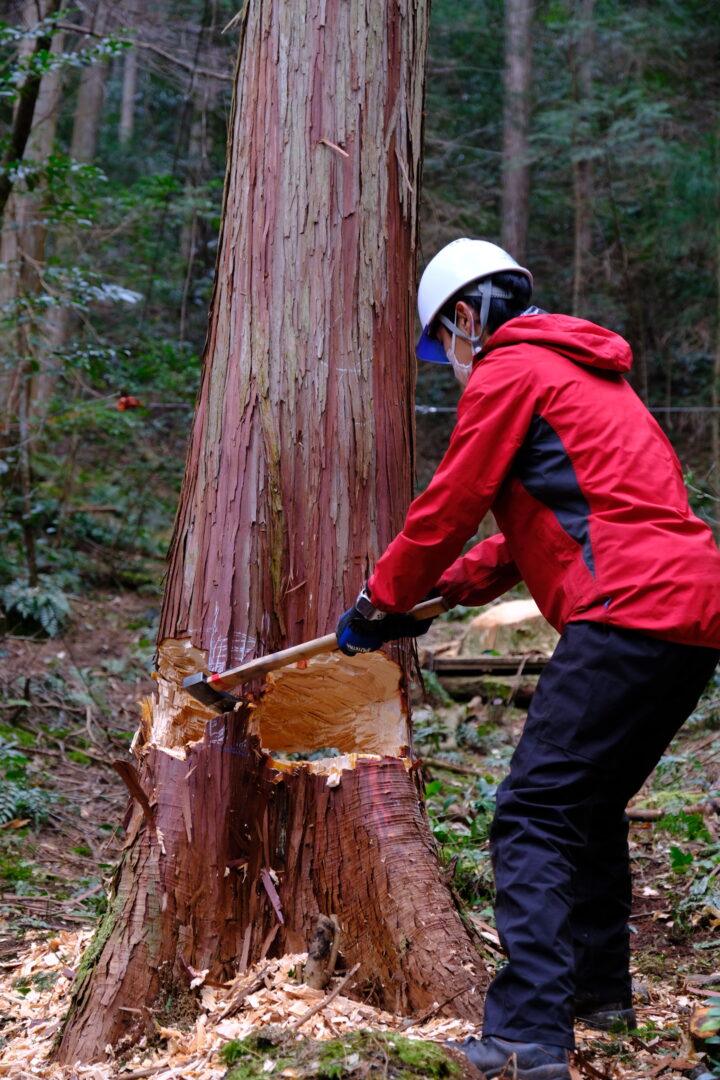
pixel 23 235
pixel 298 474
pixel 129 89
pixel 715 384
pixel 582 64
pixel 516 124
pixel 91 96
pixel 194 236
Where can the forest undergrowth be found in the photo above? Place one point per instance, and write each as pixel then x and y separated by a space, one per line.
pixel 69 710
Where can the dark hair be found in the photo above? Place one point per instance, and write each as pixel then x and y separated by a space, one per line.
pixel 500 309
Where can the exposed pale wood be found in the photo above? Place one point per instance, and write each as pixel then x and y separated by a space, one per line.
pixel 359 847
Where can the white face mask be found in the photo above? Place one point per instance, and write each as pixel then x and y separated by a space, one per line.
pixel 462 371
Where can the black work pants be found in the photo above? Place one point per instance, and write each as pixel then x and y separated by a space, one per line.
pixel 604 711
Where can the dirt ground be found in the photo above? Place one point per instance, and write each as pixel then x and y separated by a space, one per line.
pixel 68 709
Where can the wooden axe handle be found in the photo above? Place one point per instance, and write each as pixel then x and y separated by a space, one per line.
pixel 428 609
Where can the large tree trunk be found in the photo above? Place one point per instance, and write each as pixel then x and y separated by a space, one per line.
pixel 298 475
pixel 516 124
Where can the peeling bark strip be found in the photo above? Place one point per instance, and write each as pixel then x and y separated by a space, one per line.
pixel 131 780
pixel 298 475
pixel 265 877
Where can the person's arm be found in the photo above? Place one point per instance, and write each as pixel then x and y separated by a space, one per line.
pixel 483 574
pixel 493 419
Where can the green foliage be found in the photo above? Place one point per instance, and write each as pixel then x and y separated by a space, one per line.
pixel 29 607
pixel 680 860
pixel 13 868
pixel 18 801
pixel 236 1049
pixel 460 823
pixel 430 730
pixel 117 275
pixel 434 689
pixel 688 826
pixel 18 797
pixel 710 1031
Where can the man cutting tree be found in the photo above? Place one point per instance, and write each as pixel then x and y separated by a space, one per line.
pixel 594 518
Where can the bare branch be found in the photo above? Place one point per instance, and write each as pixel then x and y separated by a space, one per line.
pixel 185 64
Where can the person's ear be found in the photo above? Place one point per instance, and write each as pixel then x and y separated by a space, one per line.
pixel 464 317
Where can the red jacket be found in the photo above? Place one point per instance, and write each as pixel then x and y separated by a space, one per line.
pixel 584 485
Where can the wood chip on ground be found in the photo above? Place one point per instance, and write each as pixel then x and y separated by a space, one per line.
pixel 35 989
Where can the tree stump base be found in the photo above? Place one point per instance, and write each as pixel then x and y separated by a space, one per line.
pixel 232 854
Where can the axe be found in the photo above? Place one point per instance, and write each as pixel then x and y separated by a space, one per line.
pixel 212 689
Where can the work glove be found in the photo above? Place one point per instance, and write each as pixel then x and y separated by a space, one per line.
pixel 357 634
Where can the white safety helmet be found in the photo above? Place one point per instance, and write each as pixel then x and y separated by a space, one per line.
pixel 460 264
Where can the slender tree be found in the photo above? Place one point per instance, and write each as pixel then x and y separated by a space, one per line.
pixel 129 90
pixel 26 366
pixel 582 170
pixel 24 111
pixel 91 93
pixel 517 82
pixel 298 474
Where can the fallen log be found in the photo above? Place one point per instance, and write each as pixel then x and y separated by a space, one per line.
pixel 465 666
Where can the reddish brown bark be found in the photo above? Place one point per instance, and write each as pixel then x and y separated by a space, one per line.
pixel 359 848
pixel 298 474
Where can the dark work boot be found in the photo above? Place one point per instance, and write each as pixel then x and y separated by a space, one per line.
pixel 497 1057
pixel 605 1015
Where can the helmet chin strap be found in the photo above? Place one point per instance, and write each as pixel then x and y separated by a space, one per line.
pixel 485 291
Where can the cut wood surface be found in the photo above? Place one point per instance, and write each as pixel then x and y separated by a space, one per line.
pixel 506 613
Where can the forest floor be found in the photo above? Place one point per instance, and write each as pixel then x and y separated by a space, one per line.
pixel 68 709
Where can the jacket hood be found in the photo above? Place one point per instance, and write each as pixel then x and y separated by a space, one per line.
pixel 583 342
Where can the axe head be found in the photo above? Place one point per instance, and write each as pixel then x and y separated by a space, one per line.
pixel 198 686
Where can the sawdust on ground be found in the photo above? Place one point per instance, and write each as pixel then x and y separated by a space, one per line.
pixel 35 989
